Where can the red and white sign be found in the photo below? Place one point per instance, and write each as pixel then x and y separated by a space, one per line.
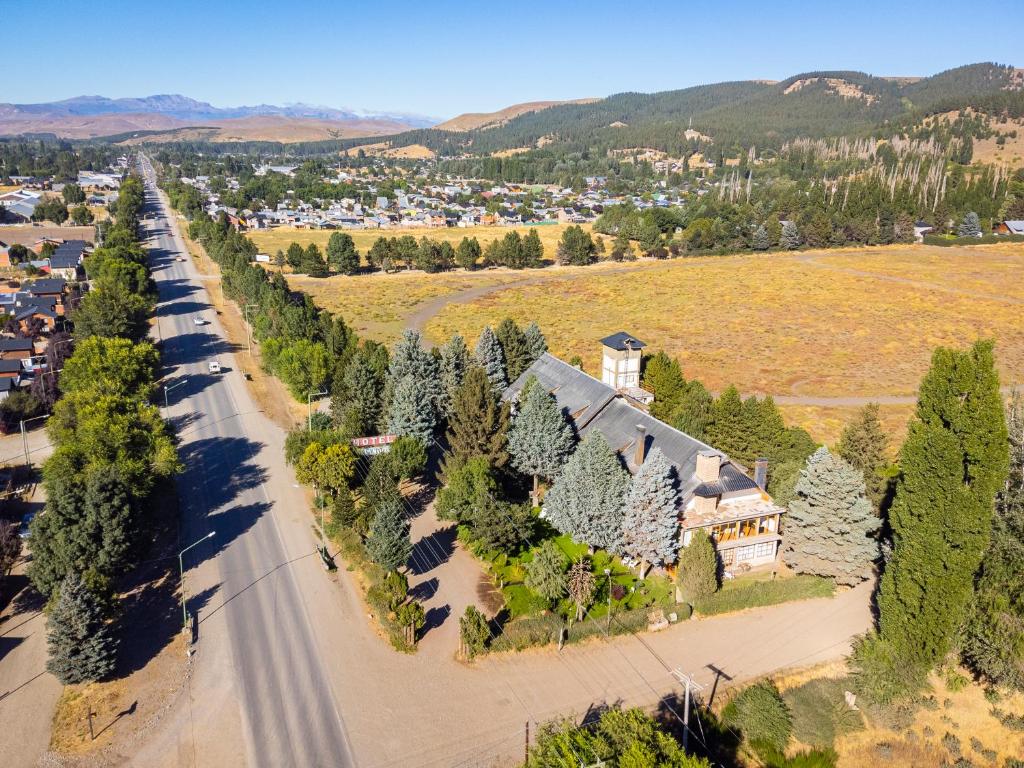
pixel 371 446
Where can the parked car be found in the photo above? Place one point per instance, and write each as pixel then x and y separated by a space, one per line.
pixel 214 366
pixel 23 530
pixel 198 320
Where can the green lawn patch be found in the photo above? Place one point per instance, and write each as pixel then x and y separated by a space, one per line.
pixel 756 591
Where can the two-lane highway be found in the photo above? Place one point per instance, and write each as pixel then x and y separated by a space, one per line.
pixel 258 681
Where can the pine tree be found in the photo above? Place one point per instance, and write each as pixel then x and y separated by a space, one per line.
pixel 492 359
pixel 970 226
pixel 454 362
pixel 410 360
pixel 78 639
pixel 388 544
pixel 664 379
pixel 863 445
pixel 313 263
pixel 698 567
pixel 727 428
pixel 514 348
pixel 992 639
pixel 790 239
pixel 342 254
pixel 533 249
pixel 468 253
pixel 540 439
pixel 760 241
pixel 695 412
pixel 650 527
pixel 357 395
pixel 411 411
pixel 587 498
pixel 478 425
pixel 295 255
pixel 953 462
pixel 830 525
pixel 545 573
pixel 535 342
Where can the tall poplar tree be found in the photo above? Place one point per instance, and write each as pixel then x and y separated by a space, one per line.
pixel 831 524
pixel 953 462
pixel 79 642
pixel 587 498
pixel 540 439
pixel 491 358
pixel 650 527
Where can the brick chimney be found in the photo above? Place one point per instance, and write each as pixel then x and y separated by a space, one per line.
pixel 761 472
pixel 709 464
pixel 640 448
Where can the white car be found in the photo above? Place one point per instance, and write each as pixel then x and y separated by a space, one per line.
pixel 179 258
pixel 198 321
pixel 214 366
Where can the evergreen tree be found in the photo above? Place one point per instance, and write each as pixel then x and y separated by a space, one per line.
pixel 790 239
pixel 535 342
pixel 478 425
pixel 545 573
pixel 313 263
pixel 664 379
pixel 468 253
pixel 970 226
pixel 830 525
pixel 576 247
pixel 410 360
pixel 388 544
pixel 454 362
pixel 863 445
pixel 540 439
pixel 514 348
pixel 760 240
pixel 79 642
pixel 581 586
pixel 650 527
pixel 727 428
pixel 500 525
pixel 533 249
pixel 492 359
pixel 342 255
pixel 465 488
pixel 952 464
pixel 992 639
pixel 695 412
pixel 586 500
pixel 698 567
pixel 411 411
pixel 357 395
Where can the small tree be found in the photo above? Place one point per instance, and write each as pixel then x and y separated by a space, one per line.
pixel 10 548
pixel 474 632
pixel 535 341
pixel 514 348
pixel 790 239
pixel 533 249
pixel 760 241
pixel 79 642
pixel 388 544
pixel 761 715
pixel 830 525
pixel 545 574
pixel 650 526
pixel 342 254
pixel 411 617
pixel 540 439
pixel 468 253
pixel 581 586
pixel 970 226
pixel 576 247
pixel 698 567
pixel 492 359
pixel 863 446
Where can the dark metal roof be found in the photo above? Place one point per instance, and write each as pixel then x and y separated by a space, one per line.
pixel 15 345
pixel 47 285
pixel 10 366
pixel 621 341
pixel 580 396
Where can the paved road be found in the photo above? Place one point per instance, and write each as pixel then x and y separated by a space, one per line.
pixel 258 677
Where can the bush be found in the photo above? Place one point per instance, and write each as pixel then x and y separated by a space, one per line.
pixel 527 632
pixel 735 596
pixel 820 712
pixel 878 675
pixel 760 714
pixel 474 631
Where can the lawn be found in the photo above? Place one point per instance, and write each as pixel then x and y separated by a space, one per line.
pixel 271 240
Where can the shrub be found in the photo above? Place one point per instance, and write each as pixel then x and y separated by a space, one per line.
pixel 878 675
pixel 760 714
pixel 528 631
pixel 473 631
pixel 736 597
pixel 820 712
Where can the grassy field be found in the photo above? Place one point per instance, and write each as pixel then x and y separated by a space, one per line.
pixel 270 241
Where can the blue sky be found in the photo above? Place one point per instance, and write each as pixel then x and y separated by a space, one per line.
pixel 442 58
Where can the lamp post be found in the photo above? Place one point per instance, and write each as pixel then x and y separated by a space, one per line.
pixel 24 435
pixel 608 573
pixel 167 389
pixel 309 408
pixel 181 571
pixel 248 326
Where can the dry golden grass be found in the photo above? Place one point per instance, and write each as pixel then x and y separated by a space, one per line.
pixel 5 188
pixel 270 241
pixel 965 714
pixel 826 422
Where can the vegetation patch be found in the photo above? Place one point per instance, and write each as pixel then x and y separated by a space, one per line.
pixel 757 591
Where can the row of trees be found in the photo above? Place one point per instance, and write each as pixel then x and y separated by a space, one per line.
pixel 112 451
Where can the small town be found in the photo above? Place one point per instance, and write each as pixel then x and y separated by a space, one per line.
pixel 667 415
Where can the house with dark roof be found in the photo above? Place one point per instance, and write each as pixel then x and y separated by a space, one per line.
pixel 16 348
pixel 716 493
pixel 7 385
pixel 66 260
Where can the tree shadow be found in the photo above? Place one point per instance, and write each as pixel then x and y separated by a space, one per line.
pixel 219 470
pixel 432 550
pixel 250 585
pixel 435 618
pixel 188 348
pixel 424 590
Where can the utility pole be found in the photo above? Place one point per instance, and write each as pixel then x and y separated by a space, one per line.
pixel 181 571
pixel 608 628
pixel 92 734
pixel 526 748
pixel 689 682
pixel 248 326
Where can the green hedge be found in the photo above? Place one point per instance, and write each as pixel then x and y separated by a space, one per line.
pixel 983 240
pixel 752 594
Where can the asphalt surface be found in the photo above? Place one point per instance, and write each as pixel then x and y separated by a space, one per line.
pixel 256 647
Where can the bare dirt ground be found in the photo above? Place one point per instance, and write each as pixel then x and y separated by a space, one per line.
pixel 26 234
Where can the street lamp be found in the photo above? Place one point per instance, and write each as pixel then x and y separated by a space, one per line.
pixel 167 389
pixel 181 571
pixel 309 408
pixel 24 435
